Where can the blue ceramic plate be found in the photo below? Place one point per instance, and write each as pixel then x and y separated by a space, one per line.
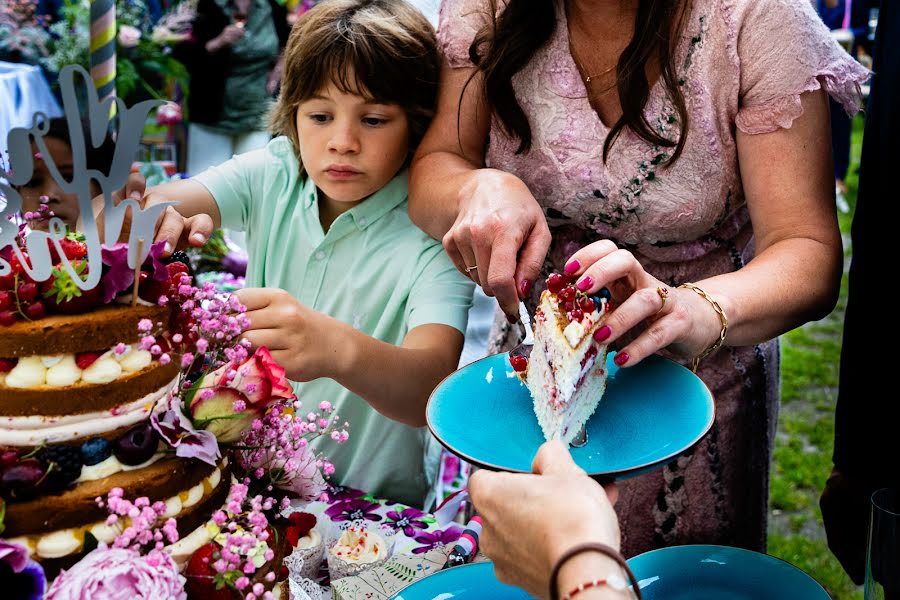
pixel 720 573
pixel 649 414
pixel 474 581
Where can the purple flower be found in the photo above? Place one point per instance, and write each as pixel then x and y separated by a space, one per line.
pixel 178 431
pixel 339 493
pixel 451 468
pixel 436 539
pixel 408 520
pixel 21 576
pixel 119 276
pixel 353 510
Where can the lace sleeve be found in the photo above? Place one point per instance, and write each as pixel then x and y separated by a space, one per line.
pixel 784 50
pixel 458 23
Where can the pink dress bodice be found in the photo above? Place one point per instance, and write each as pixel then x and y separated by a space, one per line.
pixel 742 65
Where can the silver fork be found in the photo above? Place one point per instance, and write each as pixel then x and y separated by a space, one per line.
pixel 524 348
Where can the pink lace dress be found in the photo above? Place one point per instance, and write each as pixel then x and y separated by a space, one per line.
pixel 742 64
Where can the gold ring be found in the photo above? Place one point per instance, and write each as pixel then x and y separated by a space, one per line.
pixel 664 294
pixel 472 268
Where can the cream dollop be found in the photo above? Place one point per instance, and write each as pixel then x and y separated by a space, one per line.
pixel 104 370
pixel 310 540
pixel 29 372
pixel 64 372
pixel 359 545
pixel 134 360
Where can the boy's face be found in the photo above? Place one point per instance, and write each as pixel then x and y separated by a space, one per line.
pixel 63 205
pixel 350 145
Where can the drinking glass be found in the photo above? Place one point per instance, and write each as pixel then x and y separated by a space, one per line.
pixel 883 551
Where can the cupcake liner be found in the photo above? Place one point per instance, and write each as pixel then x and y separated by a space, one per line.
pixel 339 568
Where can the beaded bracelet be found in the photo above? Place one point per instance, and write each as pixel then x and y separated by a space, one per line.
pixel 583 586
pixel 595 547
pixel 722 318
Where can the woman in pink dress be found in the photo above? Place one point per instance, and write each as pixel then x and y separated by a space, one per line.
pixel 643 144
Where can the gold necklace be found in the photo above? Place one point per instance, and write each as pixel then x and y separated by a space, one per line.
pixel 587 78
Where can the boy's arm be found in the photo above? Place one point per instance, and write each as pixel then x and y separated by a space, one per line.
pixel 395 380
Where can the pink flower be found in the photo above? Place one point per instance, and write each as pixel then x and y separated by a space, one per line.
pixel 260 377
pixel 129 36
pixel 113 573
pixel 178 431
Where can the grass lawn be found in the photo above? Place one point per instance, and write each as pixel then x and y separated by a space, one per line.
pixel 802 463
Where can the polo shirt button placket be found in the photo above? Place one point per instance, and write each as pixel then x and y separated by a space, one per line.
pixel 320 255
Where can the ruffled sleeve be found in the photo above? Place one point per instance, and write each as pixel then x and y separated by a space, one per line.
pixel 459 21
pixel 784 50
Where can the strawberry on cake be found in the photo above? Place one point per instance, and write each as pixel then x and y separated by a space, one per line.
pixel 566 372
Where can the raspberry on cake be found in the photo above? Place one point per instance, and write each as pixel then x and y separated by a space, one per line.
pixel 566 372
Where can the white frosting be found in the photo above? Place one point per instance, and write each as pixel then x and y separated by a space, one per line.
pixel 194 495
pixel 64 372
pixel 29 372
pixel 134 360
pixel 111 466
pixel 33 430
pixel 49 361
pixel 359 546
pixel 310 540
pixel 104 370
pixel 67 541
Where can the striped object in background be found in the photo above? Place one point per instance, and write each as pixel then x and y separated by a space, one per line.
pixel 103 49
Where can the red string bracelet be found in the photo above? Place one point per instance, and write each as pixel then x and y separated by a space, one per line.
pixel 583 586
pixel 591 547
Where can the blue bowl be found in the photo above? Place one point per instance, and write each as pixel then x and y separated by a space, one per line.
pixel 649 414
pixel 720 573
pixel 474 581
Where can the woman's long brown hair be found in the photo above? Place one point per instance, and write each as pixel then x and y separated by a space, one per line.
pixel 509 40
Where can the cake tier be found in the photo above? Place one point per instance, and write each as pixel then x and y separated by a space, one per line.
pixel 100 329
pixel 36 429
pixel 83 397
pixel 54 527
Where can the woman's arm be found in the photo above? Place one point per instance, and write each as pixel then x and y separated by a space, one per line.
pixel 395 380
pixel 793 278
pixel 485 217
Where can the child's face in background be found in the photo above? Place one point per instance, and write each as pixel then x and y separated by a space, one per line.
pixel 350 145
pixel 63 205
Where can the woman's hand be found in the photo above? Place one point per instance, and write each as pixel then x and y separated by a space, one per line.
pixel 501 230
pixel 296 335
pixel 230 36
pixel 678 319
pixel 531 520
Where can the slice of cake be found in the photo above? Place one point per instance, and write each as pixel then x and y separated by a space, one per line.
pixel 566 372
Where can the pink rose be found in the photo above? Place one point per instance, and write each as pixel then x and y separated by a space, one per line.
pixel 115 573
pixel 129 36
pixel 228 407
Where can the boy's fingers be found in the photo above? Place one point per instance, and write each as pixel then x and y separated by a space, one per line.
pixel 170 228
pixel 254 298
pixel 135 187
pixel 199 228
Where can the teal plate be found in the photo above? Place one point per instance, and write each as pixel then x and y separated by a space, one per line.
pixel 720 573
pixel 649 414
pixel 676 573
pixel 474 581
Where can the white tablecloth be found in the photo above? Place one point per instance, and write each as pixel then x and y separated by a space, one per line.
pixel 23 91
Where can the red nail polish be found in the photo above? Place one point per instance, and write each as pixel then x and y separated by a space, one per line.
pixel 525 287
pixel 572 266
pixel 621 358
pixel 584 283
pixel 602 333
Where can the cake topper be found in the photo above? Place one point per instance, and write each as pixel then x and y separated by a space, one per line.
pixel 127 126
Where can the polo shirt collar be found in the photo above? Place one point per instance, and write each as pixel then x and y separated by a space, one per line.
pixel 373 208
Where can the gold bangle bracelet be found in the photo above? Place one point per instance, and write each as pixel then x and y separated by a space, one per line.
pixel 722 318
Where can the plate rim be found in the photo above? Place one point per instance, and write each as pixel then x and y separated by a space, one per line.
pixel 762 555
pixel 480 563
pixel 605 475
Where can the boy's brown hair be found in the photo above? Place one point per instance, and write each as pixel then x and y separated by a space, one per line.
pixel 382 49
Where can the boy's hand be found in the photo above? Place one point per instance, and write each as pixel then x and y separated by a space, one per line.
pixel 301 340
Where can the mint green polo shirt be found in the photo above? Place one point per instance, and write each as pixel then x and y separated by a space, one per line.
pixel 373 269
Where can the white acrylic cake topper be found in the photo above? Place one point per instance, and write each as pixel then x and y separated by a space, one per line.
pixel 129 126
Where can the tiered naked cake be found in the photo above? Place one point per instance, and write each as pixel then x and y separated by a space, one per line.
pixel 76 394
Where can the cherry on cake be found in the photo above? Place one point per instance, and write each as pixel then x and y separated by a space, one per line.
pixel 566 372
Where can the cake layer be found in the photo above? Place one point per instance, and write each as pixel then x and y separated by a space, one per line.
pixel 85 397
pixel 35 430
pixel 100 329
pixel 161 480
pixel 191 529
